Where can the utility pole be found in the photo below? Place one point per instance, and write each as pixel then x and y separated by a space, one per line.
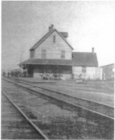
pixel 20 60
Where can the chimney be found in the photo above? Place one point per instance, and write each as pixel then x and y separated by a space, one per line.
pixel 92 50
pixel 51 28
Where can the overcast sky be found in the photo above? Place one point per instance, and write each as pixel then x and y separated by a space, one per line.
pixel 89 24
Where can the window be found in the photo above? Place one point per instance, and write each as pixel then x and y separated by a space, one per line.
pixel 63 54
pixel 54 39
pixel 43 53
pixel 31 54
pixel 84 69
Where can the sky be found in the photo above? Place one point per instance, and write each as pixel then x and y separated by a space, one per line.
pixel 89 24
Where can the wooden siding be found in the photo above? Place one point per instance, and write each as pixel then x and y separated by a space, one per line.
pixel 91 73
pixel 54 48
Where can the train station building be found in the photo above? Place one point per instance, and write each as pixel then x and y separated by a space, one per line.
pixel 54 56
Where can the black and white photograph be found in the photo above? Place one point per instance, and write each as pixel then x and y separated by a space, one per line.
pixel 57 70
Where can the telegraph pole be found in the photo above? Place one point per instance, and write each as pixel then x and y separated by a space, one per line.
pixel 20 60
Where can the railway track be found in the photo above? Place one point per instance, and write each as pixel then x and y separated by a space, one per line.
pixel 92 106
pixel 22 123
pixel 80 86
pixel 88 88
pixel 98 125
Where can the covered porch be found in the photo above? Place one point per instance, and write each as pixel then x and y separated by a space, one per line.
pixel 52 72
pixel 48 69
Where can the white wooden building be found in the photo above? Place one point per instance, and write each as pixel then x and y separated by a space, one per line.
pixel 53 55
pixel 85 65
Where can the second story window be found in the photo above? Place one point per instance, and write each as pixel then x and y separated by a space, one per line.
pixel 43 53
pixel 63 54
pixel 54 39
pixel 32 54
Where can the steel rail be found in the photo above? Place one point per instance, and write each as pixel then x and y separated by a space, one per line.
pixel 68 102
pixel 64 94
pixel 90 88
pixel 28 120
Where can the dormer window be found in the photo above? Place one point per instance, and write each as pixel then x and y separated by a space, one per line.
pixel 54 39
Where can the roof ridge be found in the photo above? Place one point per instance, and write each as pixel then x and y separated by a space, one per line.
pixel 46 36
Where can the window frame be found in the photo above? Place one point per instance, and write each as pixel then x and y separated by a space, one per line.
pixel 32 53
pixel 63 54
pixel 43 54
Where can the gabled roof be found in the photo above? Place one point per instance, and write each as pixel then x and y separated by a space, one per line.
pixel 46 36
pixel 85 59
